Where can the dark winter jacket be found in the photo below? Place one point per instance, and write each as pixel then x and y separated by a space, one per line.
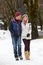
pixel 15 28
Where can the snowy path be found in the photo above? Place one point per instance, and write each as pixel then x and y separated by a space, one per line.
pixel 6 51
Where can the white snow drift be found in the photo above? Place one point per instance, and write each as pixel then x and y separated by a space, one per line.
pixel 6 51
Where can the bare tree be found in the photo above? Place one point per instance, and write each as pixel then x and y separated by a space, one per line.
pixel 34 16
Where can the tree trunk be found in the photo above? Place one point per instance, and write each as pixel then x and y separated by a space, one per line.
pixel 33 17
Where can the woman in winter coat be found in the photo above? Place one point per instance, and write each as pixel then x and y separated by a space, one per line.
pixel 26 35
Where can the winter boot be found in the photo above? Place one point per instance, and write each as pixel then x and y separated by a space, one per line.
pixel 16 58
pixel 21 58
pixel 27 55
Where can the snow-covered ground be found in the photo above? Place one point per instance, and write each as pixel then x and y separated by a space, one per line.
pixel 6 51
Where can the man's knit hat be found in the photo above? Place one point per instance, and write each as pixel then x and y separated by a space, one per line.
pixel 17 14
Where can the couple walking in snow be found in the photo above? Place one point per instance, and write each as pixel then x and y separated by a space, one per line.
pixel 20 29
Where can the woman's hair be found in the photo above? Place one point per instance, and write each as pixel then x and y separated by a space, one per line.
pixel 25 15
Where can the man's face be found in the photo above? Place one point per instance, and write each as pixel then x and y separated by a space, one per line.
pixel 18 17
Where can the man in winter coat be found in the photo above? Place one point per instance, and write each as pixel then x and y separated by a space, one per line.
pixel 15 29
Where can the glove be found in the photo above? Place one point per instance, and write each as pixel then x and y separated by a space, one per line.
pixel 28 35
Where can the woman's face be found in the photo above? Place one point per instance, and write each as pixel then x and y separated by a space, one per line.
pixel 25 20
